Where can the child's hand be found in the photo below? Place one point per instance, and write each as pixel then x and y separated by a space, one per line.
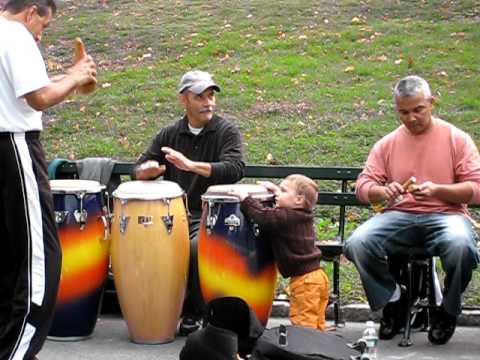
pixel 241 194
pixel 269 186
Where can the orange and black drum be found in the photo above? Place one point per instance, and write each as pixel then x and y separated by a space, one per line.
pixel 233 258
pixel 150 255
pixel 83 230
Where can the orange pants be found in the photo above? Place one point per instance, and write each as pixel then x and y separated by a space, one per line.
pixel 309 299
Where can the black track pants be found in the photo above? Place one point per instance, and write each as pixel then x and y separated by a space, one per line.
pixel 30 255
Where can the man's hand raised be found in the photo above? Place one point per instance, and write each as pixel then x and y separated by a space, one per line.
pixel 179 160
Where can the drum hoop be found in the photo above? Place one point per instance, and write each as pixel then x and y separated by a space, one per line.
pixel 92 190
pixel 148 196
pixel 225 198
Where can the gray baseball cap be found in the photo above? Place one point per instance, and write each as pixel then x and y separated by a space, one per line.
pixel 197 81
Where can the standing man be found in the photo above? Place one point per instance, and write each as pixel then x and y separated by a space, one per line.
pixel 30 258
pixel 431 216
pixel 199 150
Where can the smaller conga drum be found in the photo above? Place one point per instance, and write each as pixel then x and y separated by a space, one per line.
pixel 150 255
pixel 233 258
pixel 83 230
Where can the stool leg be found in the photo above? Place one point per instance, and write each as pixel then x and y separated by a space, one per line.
pixel 431 294
pixel 337 310
pixel 419 289
pixel 406 341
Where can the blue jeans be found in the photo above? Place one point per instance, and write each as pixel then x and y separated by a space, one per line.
pixel 193 305
pixel 448 236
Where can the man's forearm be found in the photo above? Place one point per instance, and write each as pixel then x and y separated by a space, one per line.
pixel 201 168
pixel 52 94
pixel 460 193
pixel 376 194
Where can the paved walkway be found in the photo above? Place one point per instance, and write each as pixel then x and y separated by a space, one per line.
pixel 110 341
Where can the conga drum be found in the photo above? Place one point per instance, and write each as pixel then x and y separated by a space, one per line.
pixel 233 258
pixel 150 255
pixel 83 230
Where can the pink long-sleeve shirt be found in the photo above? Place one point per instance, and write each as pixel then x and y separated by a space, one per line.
pixel 443 154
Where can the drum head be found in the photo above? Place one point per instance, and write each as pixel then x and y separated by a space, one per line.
pixel 148 190
pixel 221 192
pixel 75 186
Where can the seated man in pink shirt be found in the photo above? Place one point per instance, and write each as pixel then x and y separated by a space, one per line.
pixel 431 216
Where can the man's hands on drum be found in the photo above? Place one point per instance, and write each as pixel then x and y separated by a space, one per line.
pixel 150 169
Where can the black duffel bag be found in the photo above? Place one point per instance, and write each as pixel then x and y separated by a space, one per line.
pixel 301 343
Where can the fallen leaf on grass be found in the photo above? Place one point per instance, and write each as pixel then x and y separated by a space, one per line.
pixel 355 20
pixel 236 69
pixel 410 62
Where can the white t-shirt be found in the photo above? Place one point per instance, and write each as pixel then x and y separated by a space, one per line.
pixel 22 70
pixel 195 131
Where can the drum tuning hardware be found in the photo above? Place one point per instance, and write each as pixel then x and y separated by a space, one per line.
pixel 81 217
pixel 108 216
pixel 168 221
pixel 256 230
pixel 106 227
pixel 81 214
pixel 145 220
pixel 233 222
pixel 211 218
pixel 107 195
pixel 60 216
pixel 123 223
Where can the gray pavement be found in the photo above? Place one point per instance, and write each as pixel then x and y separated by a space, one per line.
pixel 110 341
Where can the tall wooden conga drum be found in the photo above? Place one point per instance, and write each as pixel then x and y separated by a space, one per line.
pixel 150 255
pixel 233 258
pixel 83 230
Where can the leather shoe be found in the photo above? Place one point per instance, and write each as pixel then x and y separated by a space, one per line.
pixel 442 328
pixel 188 325
pixel 389 324
pixel 393 316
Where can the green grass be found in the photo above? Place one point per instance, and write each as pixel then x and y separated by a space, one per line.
pixel 308 82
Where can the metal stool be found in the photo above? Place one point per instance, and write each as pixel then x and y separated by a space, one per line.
pixel 416 273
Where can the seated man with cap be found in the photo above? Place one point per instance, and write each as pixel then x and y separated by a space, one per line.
pixel 199 150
